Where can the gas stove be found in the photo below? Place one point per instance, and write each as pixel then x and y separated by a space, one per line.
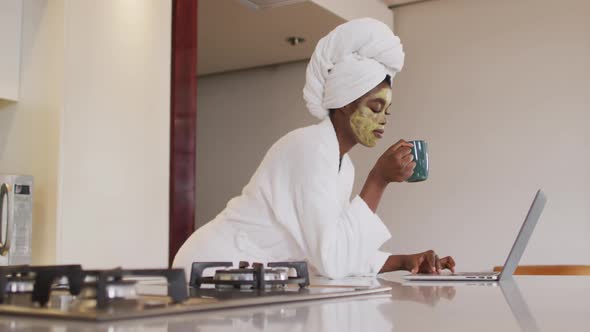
pixel 70 292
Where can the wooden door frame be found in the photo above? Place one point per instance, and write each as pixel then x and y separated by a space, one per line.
pixel 183 124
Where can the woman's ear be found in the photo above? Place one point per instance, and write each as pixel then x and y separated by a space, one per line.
pixel 344 111
pixel 349 109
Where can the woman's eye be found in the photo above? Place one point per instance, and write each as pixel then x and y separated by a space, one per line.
pixel 376 109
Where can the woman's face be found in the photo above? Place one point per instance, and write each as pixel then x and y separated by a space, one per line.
pixel 368 120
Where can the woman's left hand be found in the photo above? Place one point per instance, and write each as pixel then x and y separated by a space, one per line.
pixel 427 262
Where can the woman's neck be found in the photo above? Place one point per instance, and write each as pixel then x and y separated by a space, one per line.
pixel 346 139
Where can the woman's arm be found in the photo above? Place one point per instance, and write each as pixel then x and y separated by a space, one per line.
pixel 373 190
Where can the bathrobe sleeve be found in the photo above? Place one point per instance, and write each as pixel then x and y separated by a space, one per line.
pixel 340 240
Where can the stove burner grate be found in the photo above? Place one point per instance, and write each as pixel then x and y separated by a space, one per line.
pixel 256 277
pixel 106 285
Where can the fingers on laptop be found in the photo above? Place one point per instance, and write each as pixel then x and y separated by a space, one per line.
pixel 431 263
pixel 431 258
pixel 416 263
pixel 448 263
pixel 438 264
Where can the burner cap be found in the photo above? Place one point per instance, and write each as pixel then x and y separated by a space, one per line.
pixel 115 289
pixel 248 275
pixel 121 289
pixel 19 285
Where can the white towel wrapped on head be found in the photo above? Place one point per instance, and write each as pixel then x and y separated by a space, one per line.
pixel 348 62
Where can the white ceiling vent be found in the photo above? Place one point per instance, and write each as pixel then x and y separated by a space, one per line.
pixel 263 4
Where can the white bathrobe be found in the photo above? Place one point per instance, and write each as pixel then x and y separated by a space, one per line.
pixel 296 207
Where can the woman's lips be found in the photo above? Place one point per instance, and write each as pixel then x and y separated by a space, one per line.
pixel 378 133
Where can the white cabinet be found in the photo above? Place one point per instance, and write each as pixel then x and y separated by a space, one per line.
pixel 11 13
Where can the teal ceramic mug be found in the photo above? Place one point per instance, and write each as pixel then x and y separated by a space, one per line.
pixel 420 152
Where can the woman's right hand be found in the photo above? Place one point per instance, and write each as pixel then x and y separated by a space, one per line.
pixel 396 163
pixel 427 262
pixel 424 262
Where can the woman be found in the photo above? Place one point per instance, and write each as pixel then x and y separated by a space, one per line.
pixel 297 204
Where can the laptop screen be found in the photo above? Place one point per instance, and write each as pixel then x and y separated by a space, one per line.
pixel 526 230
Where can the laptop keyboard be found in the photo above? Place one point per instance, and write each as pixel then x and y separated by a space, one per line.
pixel 474 274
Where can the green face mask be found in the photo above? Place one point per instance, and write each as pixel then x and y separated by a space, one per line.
pixel 370 116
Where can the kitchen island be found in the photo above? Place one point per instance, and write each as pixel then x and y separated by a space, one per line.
pixel 528 303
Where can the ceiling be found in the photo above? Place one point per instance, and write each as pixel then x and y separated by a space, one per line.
pixel 234 36
pixel 399 3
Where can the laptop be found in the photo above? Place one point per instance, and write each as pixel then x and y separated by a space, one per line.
pixel 513 258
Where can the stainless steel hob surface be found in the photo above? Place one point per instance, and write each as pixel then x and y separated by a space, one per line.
pixel 69 292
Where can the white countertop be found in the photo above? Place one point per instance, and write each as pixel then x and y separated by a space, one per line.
pixel 543 304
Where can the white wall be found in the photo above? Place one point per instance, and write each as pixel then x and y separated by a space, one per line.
pixel 115 135
pixel 239 116
pixel 92 127
pixel 500 91
pixel 29 129
pixel 10 40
